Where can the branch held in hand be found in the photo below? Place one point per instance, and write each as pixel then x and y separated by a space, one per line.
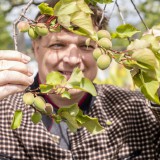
pixel 24 10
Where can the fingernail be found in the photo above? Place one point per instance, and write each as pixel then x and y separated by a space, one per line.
pixel 25 58
pixel 31 79
pixel 30 71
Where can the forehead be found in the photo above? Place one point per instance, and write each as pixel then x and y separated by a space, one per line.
pixel 65 36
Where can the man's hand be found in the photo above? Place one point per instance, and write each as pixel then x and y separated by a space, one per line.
pixel 15 75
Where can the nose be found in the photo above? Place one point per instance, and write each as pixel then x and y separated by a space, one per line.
pixel 72 56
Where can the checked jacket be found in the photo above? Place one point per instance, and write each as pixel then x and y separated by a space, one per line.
pixel 133 135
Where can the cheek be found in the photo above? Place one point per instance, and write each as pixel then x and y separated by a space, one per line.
pixel 90 66
pixel 89 61
pixel 47 59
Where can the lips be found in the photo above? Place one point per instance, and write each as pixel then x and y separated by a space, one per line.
pixel 67 74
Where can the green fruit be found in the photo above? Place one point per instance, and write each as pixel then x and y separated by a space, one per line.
pixel 36 117
pixel 105 43
pixel 97 53
pixel 41 29
pixel 28 98
pixel 103 34
pixel 32 33
pixel 39 103
pixel 103 61
pixel 23 26
pixel 49 108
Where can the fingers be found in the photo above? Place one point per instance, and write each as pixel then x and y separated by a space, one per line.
pixel 14 56
pixel 15 66
pixel 14 77
pixel 11 89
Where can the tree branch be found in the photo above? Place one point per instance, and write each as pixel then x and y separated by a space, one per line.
pixel 24 10
pixel 139 15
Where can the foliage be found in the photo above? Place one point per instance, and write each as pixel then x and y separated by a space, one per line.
pixel 56 83
pixel 141 57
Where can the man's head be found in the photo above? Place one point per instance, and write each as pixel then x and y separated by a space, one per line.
pixel 63 51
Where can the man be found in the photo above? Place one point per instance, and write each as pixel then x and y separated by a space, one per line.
pixel 133 134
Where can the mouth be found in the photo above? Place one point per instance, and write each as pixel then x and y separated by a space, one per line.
pixel 67 74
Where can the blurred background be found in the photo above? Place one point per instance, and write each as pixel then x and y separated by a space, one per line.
pixel 139 13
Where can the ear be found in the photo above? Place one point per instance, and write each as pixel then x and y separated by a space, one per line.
pixel 35 47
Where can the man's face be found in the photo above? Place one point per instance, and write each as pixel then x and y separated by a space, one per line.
pixel 62 52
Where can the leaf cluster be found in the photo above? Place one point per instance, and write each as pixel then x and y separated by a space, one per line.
pixel 142 58
pixel 56 83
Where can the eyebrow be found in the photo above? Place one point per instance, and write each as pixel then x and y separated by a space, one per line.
pixel 65 40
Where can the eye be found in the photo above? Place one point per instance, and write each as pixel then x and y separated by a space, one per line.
pixel 56 46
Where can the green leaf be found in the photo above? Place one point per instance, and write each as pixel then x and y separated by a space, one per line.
pixel 150 88
pixel 66 94
pixel 83 20
pixel 155 46
pixel 146 57
pixel 57 119
pixel 91 124
pixel 17 118
pixel 138 44
pixel 45 88
pixel 78 81
pixel 78 31
pixel 137 80
pixel 84 7
pixel 70 119
pixel 71 127
pixel 65 8
pixel 76 77
pixel 73 110
pixel 87 85
pixel 36 117
pixel 45 9
pixel 64 21
pixel 125 31
pixel 55 78
pixel 147 85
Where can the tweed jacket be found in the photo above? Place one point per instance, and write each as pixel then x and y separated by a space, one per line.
pixel 133 135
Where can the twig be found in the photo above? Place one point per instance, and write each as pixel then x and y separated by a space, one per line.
pixel 102 15
pixel 29 20
pixel 139 15
pixel 24 10
pixel 120 13
pixel 112 10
